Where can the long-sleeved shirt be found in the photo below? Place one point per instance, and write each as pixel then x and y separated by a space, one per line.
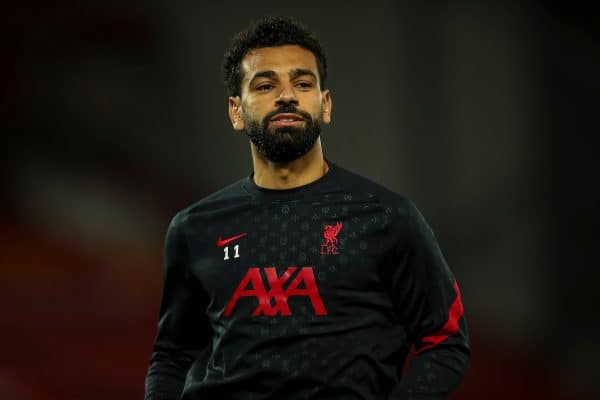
pixel 315 292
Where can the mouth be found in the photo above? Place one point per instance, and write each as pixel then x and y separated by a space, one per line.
pixel 287 119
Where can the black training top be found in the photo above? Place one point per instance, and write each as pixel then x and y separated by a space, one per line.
pixel 316 292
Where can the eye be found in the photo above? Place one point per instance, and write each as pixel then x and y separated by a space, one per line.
pixel 264 87
pixel 304 85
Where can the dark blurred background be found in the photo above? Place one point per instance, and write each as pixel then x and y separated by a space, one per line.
pixel 114 118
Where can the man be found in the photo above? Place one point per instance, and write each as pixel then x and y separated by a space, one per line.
pixel 302 280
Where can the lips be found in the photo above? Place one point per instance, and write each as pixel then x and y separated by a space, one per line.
pixel 287 117
pixel 287 120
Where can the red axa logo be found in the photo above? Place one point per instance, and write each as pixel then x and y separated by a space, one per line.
pixel 330 232
pixel 274 301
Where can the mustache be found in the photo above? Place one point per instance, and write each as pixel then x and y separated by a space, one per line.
pixel 287 109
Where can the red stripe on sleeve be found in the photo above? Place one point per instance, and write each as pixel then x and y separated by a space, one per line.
pixel 450 327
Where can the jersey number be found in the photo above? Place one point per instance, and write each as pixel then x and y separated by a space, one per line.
pixel 236 252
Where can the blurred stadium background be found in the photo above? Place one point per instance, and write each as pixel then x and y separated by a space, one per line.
pixel 114 118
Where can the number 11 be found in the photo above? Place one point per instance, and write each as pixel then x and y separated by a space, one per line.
pixel 236 254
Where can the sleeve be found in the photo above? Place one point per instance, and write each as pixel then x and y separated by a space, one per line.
pixel 184 333
pixel 427 300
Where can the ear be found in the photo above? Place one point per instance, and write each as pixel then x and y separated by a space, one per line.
pixel 326 104
pixel 235 113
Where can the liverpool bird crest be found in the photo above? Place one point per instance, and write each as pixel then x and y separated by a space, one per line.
pixel 330 241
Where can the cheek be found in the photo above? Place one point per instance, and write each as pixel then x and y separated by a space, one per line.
pixel 313 106
pixel 255 108
pixel 249 105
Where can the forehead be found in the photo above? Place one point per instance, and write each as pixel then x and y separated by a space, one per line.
pixel 280 59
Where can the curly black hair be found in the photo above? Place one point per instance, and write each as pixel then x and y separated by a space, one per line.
pixel 269 32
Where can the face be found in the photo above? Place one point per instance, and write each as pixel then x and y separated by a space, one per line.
pixel 281 105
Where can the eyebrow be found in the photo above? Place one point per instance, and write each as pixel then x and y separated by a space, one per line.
pixel 295 73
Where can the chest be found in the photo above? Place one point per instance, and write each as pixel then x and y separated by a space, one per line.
pixel 282 259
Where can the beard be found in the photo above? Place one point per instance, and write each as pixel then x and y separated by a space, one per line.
pixel 283 144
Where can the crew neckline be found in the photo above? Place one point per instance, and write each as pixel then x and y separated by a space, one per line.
pixel 251 187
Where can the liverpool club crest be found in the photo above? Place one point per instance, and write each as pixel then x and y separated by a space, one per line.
pixel 330 232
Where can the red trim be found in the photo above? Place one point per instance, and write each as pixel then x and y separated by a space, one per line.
pixel 450 327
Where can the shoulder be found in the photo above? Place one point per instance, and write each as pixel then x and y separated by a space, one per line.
pixel 402 213
pixel 362 186
pixel 213 205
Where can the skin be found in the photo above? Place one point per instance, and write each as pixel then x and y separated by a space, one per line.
pixel 263 94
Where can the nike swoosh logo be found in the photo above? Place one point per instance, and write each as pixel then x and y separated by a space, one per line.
pixel 223 242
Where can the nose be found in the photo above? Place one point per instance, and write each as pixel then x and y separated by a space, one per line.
pixel 287 95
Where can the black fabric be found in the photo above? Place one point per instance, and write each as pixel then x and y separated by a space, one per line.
pixel 311 293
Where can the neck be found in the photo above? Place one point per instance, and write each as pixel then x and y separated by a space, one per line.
pixel 280 176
